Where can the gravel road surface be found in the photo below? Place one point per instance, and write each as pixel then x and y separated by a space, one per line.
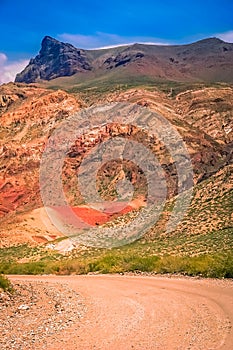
pixel 112 312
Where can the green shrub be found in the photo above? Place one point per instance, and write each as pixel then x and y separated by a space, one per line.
pixel 5 284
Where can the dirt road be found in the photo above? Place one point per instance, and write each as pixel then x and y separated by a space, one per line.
pixel 140 313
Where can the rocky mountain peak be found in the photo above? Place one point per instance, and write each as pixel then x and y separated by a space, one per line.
pixel 52 46
pixel 55 59
pixel 49 43
pixel 48 39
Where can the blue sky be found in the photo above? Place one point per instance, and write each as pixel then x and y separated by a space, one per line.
pixel 91 24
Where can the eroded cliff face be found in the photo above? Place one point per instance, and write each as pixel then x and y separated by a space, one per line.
pixel 28 118
pixel 204 121
pixel 210 110
pixel 30 113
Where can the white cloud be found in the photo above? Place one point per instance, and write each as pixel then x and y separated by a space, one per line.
pixel 104 40
pixel 8 70
pixel 3 58
pixel 227 36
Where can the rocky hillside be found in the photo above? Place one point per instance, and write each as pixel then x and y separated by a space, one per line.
pixel 28 114
pixel 205 60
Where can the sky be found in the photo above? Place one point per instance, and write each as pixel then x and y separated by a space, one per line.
pixel 95 24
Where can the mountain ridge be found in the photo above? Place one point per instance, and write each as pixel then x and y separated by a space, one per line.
pixel 209 59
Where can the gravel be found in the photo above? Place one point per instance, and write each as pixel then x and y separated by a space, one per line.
pixel 35 313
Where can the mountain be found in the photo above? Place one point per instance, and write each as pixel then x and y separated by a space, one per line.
pixel 208 60
pixel 29 113
pixel 55 59
pixel 188 85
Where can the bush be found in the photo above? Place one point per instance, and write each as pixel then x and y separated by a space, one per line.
pixel 5 284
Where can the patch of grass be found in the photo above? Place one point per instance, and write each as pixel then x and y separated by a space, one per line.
pixel 16 252
pixel 5 284
pixel 206 265
pixel 118 80
pixel 115 263
pixel 215 266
